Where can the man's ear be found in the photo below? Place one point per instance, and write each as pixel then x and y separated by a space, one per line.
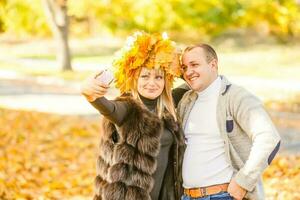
pixel 214 64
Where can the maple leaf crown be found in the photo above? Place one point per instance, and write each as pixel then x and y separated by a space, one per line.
pixel 153 51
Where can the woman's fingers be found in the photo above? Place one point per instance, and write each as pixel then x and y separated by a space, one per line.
pixel 98 90
pixel 100 83
pixel 93 88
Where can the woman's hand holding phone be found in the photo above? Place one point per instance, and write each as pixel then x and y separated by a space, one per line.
pixel 97 86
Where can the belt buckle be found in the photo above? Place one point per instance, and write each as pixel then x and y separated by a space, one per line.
pixel 193 193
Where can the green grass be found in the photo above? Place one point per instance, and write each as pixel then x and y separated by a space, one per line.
pixel 54 71
pixel 67 75
pixel 76 58
pixel 272 61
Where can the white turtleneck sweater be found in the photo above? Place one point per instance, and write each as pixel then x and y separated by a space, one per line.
pixel 204 162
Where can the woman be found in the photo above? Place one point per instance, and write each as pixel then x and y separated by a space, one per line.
pixel 141 147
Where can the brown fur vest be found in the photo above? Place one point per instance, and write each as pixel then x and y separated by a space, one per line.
pixel 127 155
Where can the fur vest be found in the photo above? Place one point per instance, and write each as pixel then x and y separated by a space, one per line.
pixel 127 156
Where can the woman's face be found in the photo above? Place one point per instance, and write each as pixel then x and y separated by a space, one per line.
pixel 151 83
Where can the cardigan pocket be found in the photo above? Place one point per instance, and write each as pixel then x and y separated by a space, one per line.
pixel 229 124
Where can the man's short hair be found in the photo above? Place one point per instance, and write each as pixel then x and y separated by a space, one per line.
pixel 208 50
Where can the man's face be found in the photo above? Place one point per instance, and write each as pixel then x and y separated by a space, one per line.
pixel 197 72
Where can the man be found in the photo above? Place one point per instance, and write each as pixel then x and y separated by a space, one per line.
pixel 229 136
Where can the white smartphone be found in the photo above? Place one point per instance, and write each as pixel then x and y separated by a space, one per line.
pixel 106 77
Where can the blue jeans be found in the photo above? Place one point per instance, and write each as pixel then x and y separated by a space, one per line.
pixel 219 196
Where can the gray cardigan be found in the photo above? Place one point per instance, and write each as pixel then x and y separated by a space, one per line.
pixel 251 140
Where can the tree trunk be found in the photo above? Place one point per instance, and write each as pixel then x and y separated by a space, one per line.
pixel 56 12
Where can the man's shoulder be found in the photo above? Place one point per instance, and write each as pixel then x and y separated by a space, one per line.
pixel 238 95
pixel 236 90
pixel 241 92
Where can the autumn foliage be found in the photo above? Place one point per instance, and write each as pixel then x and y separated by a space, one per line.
pixel 45 156
pixel 282 178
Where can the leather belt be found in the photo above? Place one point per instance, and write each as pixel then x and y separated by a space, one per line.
pixel 205 191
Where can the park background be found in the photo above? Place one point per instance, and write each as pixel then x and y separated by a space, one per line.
pixel 49 133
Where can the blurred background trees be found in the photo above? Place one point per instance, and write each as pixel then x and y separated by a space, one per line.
pixel 188 20
pixel 208 18
pixel 56 12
